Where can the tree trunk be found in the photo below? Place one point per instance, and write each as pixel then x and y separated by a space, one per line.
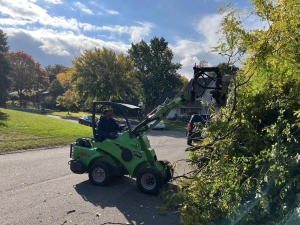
pixel 21 97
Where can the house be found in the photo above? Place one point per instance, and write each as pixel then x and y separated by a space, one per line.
pixel 200 106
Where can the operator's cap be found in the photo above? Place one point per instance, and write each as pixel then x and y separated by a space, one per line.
pixel 107 108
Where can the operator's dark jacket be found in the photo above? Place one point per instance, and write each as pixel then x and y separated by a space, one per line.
pixel 104 127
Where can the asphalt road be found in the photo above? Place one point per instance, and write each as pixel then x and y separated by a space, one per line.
pixel 37 187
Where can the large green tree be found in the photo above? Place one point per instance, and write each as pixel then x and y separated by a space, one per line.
pixel 156 70
pixel 246 170
pixel 4 69
pixel 56 89
pixel 27 75
pixel 102 74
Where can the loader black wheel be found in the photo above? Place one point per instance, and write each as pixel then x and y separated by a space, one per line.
pixel 101 173
pixel 169 170
pixel 150 180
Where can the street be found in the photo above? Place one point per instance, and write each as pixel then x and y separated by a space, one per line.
pixel 37 187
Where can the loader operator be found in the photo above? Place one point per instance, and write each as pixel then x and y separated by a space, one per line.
pixel 107 126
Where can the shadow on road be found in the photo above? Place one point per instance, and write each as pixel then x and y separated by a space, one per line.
pixel 123 194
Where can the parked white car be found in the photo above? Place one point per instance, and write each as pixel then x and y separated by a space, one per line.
pixel 160 126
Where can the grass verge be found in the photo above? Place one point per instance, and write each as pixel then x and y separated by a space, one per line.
pixel 29 129
pixel 26 130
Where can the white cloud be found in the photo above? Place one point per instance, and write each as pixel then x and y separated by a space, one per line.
pixel 188 62
pixel 23 13
pixel 189 52
pixel 254 22
pixel 96 4
pixel 136 32
pixel 83 8
pixel 14 22
pixel 21 9
pixel 112 12
pixel 100 6
pixel 187 48
pixel 68 40
pixel 54 1
pixel 65 44
pixel 208 27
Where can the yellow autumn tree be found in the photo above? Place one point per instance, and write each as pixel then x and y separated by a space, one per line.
pixel 68 99
pixel 65 78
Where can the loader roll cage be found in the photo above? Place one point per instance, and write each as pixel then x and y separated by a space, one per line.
pixel 120 106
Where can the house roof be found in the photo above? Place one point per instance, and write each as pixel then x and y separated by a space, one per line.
pixel 203 81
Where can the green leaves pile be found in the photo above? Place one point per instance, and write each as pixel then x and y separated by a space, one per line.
pixel 247 171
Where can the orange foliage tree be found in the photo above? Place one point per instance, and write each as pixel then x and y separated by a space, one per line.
pixel 27 75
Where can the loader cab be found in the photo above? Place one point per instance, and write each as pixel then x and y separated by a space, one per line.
pixel 125 114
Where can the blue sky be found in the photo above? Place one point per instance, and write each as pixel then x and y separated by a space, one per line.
pixel 55 31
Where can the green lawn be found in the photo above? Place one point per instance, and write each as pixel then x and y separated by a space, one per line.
pixel 27 130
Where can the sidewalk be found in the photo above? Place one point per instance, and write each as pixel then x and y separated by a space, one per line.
pixel 58 117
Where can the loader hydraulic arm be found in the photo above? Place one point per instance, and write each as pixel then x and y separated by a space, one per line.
pixel 160 112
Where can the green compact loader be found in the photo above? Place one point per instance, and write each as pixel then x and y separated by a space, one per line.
pixel 130 152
